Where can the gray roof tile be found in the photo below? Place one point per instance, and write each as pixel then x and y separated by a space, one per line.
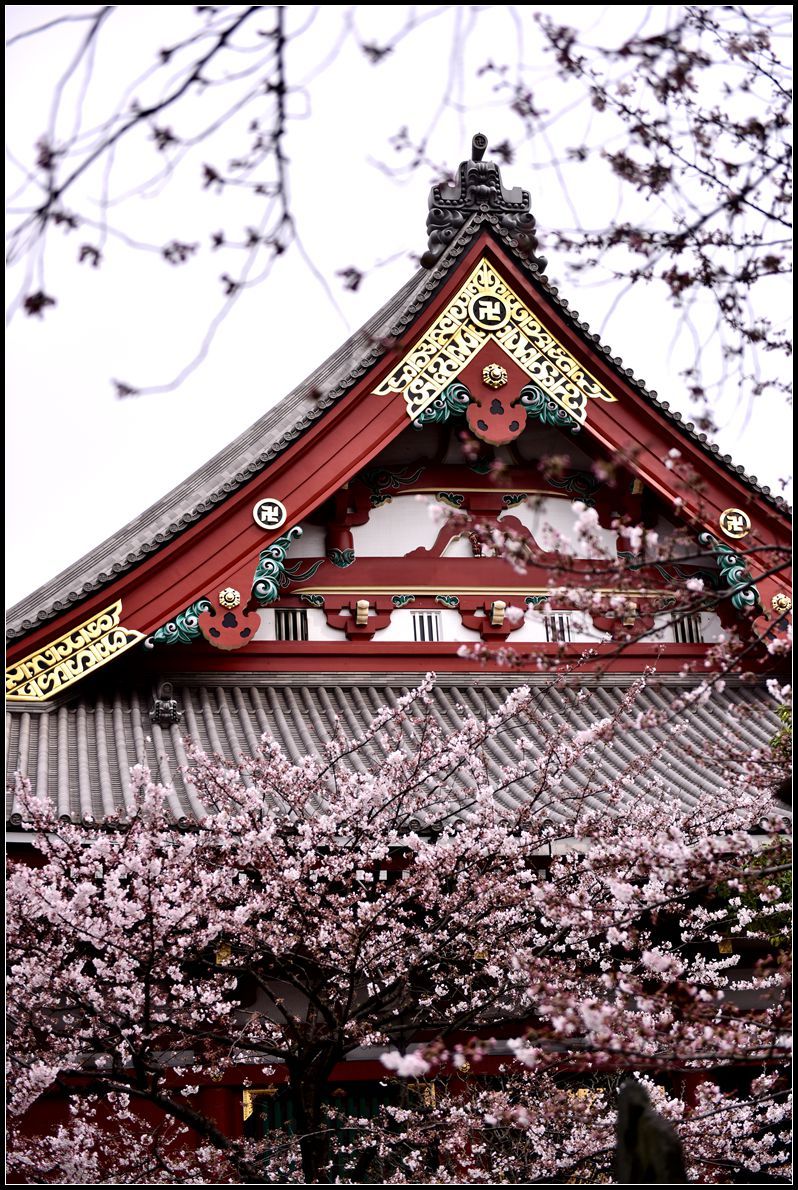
pixel 79 754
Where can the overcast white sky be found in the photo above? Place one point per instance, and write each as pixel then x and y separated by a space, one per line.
pixel 80 463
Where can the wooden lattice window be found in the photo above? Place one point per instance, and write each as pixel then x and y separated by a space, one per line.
pixel 687 630
pixel 290 623
pixel 558 626
pixel 426 625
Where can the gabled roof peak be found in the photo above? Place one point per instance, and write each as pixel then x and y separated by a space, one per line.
pixel 287 422
pixel 478 189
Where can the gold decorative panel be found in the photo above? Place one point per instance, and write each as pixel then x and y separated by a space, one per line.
pixel 486 310
pixel 41 675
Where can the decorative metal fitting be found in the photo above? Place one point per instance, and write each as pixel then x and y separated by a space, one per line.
pixel 497 610
pixel 735 523
pixel 229 597
pixel 494 375
pixel 630 615
pixel 781 604
pixel 362 613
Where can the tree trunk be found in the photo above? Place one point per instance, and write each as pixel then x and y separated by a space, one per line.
pixel 308 1082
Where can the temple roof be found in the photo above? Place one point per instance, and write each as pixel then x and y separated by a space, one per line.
pixel 79 754
pixel 233 466
pixel 457 216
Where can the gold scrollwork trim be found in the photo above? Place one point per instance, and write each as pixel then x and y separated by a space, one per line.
pixel 463 329
pixel 251 1094
pixel 42 674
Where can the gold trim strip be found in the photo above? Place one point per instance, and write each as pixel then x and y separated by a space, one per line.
pixel 411 490
pixel 65 660
pixel 364 590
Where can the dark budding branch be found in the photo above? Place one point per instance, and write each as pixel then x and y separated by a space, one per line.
pixel 59 167
pixel 651 83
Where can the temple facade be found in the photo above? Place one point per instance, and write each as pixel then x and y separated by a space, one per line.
pixel 417 504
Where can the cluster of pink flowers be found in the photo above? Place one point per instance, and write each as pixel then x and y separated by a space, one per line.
pixel 376 894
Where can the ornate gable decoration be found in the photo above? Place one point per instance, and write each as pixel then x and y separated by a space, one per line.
pixel 42 674
pixel 487 310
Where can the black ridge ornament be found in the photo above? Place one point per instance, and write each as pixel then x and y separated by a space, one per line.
pixel 479 190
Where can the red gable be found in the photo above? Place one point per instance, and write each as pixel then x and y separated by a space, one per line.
pixel 480 315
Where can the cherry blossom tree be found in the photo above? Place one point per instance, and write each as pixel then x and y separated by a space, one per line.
pixel 508 950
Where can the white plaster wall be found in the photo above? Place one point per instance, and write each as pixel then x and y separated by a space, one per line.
pixel 663 630
pixel 310 545
pixel 452 629
pixel 710 627
pixel 533 629
pixel 559 514
pixel 401 626
pixel 458 547
pixel 318 628
pixel 396 528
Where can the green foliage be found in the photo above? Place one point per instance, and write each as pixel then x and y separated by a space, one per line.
pixel 782 740
pixel 767 880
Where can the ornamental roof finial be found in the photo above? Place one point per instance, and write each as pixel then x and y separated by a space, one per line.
pixel 478 190
pixel 479 143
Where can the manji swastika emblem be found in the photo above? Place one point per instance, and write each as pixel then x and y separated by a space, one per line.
pixel 735 523
pixel 269 514
pixel 489 313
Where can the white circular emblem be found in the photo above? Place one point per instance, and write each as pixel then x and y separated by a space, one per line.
pixel 269 514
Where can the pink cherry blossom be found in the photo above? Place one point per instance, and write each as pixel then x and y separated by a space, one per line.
pixel 382 898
